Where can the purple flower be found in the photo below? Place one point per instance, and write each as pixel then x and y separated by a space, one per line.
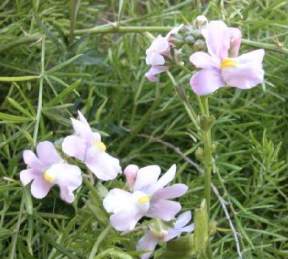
pixel 222 66
pixel 149 197
pixel 48 169
pixel 150 240
pixel 87 146
pixel 156 53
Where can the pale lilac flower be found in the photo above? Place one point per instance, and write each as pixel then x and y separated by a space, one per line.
pixel 48 169
pixel 157 52
pixel 222 66
pixel 149 197
pixel 87 146
pixel 151 238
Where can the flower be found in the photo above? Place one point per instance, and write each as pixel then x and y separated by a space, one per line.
pixel 222 66
pixel 151 238
pixel 156 53
pixel 48 169
pixel 149 197
pixel 87 146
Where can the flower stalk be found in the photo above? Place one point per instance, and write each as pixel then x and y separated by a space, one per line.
pixel 206 122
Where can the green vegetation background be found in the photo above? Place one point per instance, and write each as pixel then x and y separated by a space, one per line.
pixel 103 75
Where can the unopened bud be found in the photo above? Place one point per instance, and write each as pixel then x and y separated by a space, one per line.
pixel 199 45
pixel 201 21
pixel 199 153
pixel 212 227
pixel 189 39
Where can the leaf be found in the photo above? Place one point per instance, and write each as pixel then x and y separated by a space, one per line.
pixel 19 107
pixel 9 118
pixel 64 93
pixel 182 248
pixel 17 78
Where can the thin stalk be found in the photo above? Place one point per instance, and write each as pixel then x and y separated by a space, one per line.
pixel 207 152
pixel 40 96
pixel 117 28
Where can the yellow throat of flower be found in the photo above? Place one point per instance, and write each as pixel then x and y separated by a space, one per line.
pixel 100 145
pixel 48 176
pixel 228 63
pixel 143 199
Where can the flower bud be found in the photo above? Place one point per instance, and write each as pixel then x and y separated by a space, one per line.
pixel 199 153
pixel 201 21
pixel 199 45
pixel 130 173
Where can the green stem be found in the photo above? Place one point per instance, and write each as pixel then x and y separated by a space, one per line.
pixel 40 95
pixel 116 27
pixel 207 151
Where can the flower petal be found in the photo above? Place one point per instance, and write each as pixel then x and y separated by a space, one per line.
pixel 164 179
pixel 66 175
pixel 174 232
pixel 26 176
pixel 117 200
pixel 102 165
pixel 66 194
pixel 147 243
pixel 171 192
pixel 32 161
pixel 40 188
pixel 206 81
pixel 74 146
pixel 125 220
pixel 248 72
pixel 83 119
pixel 47 153
pixel 217 37
pixel 164 209
pixel 201 59
pixel 130 173
pixel 183 219
pixel 146 176
pixel 235 41
pixel 188 229
pixel 159 45
pixel 82 129
pixel 153 71
pixel 155 59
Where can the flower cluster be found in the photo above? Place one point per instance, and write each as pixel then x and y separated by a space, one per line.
pixel 220 67
pixel 146 193
pixel 148 196
pixel 48 168
pixel 159 49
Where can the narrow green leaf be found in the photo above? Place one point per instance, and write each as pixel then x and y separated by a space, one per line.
pixel 9 118
pixel 64 93
pixel 64 64
pixel 17 78
pixel 19 107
